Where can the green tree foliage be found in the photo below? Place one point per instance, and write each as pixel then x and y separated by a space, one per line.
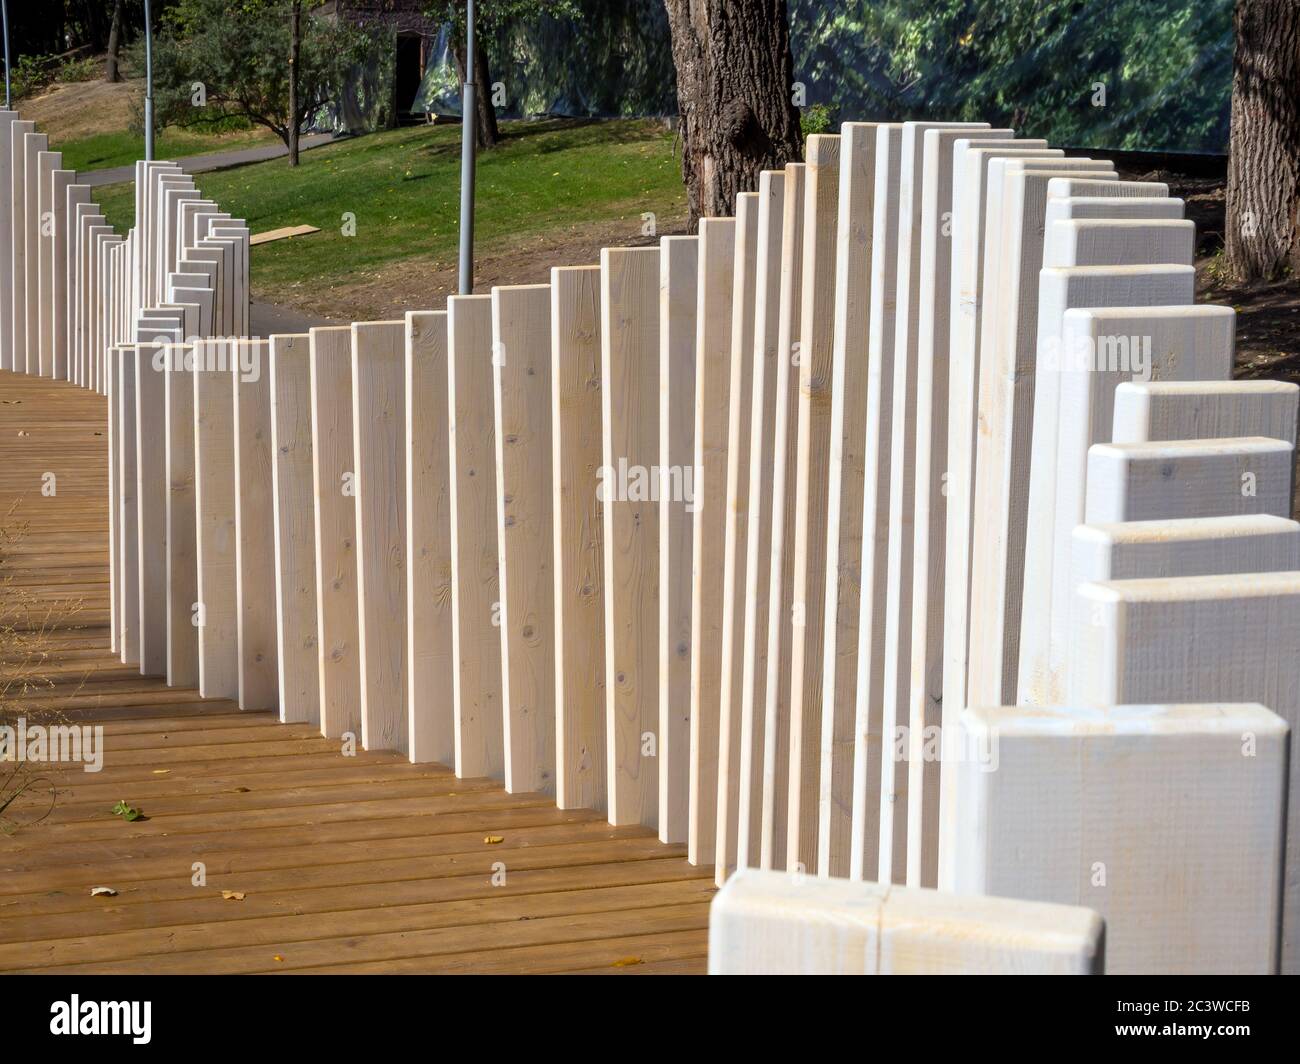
pixel 238 51
pixel 1166 66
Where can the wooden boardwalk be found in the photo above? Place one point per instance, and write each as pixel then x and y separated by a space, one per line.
pixel 344 864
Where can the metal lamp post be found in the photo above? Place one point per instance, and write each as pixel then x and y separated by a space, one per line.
pixel 467 148
pixel 4 9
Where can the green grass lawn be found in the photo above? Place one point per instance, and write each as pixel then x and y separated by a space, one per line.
pixel 108 150
pixel 403 186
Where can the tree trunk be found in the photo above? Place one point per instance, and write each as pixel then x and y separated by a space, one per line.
pixel 295 47
pixel 488 135
pixel 486 132
pixel 734 93
pixel 114 44
pixel 1263 198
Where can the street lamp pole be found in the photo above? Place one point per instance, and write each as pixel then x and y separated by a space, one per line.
pixel 467 148
pixel 4 8
pixel 148 83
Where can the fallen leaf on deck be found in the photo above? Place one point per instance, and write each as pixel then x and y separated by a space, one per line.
pixel 627 962
pixel 492 840
pixel 126 812
pixel 109 892
pixel 233 895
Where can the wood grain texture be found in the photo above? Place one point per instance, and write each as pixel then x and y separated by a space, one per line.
pixel 715 301
pixel 521 364
pixel 182 547
pixel 930 489
pixel 845 478
pixel 576 457
pixel 736 495
pixel 1204 409
pixel 896 694
pixel 1189 478
pixel 429 657
pixel 379 460
pixel 1066 787
pixel 678 316
pixel 757 548
pixel 476 598
pixel 296 623
pixel 215 533
pixel 629 308
pixel 334 516
pixel 812 460
pixel 868 748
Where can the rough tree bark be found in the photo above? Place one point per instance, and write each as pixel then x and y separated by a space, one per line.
pixel 295 49
pixel 486 134
pixel 114 44
pixel 734 94
pixel 1263 199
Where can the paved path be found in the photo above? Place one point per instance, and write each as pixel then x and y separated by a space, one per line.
pixel 218 160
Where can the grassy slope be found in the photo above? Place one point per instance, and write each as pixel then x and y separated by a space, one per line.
pixel 402 186
pixel 106 150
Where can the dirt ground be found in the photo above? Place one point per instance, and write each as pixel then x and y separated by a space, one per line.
pixel 82 109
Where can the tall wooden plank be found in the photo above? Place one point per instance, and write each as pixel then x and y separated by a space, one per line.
pixel 479 730
pixel 128 526
pixel 678 316
pixel 970 246
pixel 296 639
pixel 576 457
pixel 896 801
pixel 429 659
pixel 785 438
pixel 521 364
pixel 765 355
pixel 56 279
pixel 868 747
pixel 18 252
pixel 379 450
pixel 214 502
pixel 816 360
pixel 182 557
pixel 847 470
pixel 113 431
pixel 255 628
pixel 8 124
pixel 47 162
pixel 708 528
pixel 150 434
pixel 736 496
pixel 1204 409
pixel 334 516
pixel 629 309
